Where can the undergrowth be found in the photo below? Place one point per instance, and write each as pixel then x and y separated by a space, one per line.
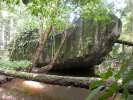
pixel 7 64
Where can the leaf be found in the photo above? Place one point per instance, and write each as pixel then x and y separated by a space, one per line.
pixel 106 75
pixel 109 92
pixel 94 93
pixel 96 84
pixel 122 70
pixel 125 94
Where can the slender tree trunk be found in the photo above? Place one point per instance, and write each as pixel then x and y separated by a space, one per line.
pixel 96 42
pixel 50 66
pixel 132 15
pixel 123 48
pixel 3 35
pixel 41 44
pixel 60 47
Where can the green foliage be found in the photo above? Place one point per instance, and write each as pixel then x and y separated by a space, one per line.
pixel 96 10
pixel 107 74
pixel 56 12
pixel 6 64
pixel 121 78
pixel 115 52
pixel 96 84
pixel 24 46
pixel 113 88
pixel 127 25
pixel 13 1
pixel 53 12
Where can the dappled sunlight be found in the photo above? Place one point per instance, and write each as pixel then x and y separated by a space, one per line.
pixel 33 84
pixel 5 14
pixel 30 87
pixel 1 89
pixel 33 87
pixel 127 36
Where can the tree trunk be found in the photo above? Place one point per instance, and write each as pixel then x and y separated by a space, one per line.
pixel 50 66
pixel 131 15
pixel 82 82
pixel 41 43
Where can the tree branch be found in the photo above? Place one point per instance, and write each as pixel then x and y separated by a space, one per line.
pixel 124 42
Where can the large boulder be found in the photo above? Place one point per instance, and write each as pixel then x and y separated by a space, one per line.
pixel 85 38
pixel 89 42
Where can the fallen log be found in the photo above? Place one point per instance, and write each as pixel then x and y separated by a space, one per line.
pixel 82 82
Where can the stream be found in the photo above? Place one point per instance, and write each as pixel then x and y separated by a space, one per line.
pixel 19 89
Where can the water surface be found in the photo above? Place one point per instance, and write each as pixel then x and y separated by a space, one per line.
pixel 19 89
